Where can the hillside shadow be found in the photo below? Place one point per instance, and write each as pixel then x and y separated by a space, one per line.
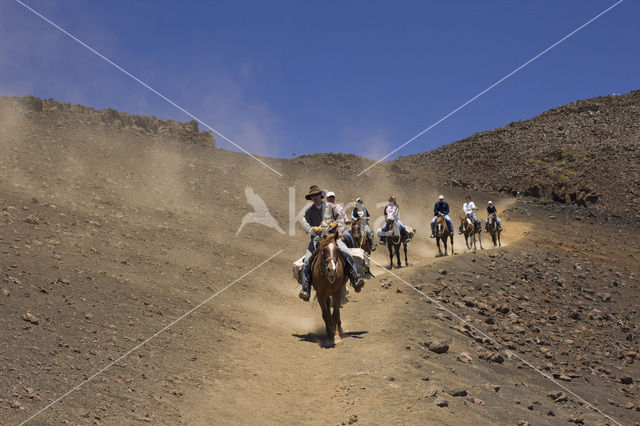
pixel 321 339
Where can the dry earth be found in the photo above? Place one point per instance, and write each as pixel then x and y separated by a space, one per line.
pixel 111 231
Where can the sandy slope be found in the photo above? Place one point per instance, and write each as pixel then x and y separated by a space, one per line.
pixel 108 235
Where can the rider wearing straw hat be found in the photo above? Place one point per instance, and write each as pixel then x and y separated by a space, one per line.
pixel 318 218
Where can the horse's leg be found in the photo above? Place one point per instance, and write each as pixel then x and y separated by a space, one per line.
pixel 438 244
pixel 480 239
pixel 452 244
pixel 337 325
pixel 499 243
pixel 406 261
pixel 398 255
pixel 390 247
pixel 326 314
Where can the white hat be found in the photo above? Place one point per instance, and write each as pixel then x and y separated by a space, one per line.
pixel 441 197
pixel 330 194
pixel 490 202
pixel 359 200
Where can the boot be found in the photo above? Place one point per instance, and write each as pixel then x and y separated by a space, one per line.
pixel 373 246
pixel 357 282
pixel 305 293
pixel 433 235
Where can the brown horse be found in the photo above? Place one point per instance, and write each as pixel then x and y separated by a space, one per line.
pixel 470 231
pixel 394 240
pixel 442 233
pixel 494 229
pixel 360 240
pixel 328 277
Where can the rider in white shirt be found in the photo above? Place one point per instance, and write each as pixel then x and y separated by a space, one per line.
pixel 469 209
pixel 392 212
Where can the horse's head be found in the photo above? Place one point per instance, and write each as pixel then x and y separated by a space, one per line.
pixel 330 257
pixel 355 228
pixel 390 223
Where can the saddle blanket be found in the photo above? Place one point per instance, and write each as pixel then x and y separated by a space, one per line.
pixel 360 257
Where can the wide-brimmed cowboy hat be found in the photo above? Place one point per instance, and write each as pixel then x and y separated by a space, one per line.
pixel 490 202
pixel 331 194
pixel 313 191
pixel 441 197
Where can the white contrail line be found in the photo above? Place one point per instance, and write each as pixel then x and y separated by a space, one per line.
pixel 146 86
pixel 166 327
pixel 491 87
pixel 515 355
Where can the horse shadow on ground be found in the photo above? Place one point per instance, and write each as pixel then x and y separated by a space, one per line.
pixel 321 339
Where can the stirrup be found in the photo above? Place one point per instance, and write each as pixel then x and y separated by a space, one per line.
pixel 358 284
pixel 305 294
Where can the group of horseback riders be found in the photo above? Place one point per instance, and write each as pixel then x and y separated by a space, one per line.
pixel 324 217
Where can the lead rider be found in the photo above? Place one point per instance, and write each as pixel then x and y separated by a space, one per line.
pixel 316 220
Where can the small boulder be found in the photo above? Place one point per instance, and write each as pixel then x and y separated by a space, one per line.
pixel 441 402
pixel 465 358
pixel 439 346
pixel 29 317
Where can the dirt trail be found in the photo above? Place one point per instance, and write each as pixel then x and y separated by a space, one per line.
pixel 282 368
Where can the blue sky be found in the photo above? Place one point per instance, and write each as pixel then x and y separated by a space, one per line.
pixel 285 77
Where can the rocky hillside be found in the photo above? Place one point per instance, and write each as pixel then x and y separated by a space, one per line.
pixel 585 153
pixel 67 115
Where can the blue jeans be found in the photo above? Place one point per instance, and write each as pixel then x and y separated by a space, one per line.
pixel 403 229
pixel 486 221
pixel 473 217
pixel 349 238
pixel 447 218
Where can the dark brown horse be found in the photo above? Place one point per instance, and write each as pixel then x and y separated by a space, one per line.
pixel 442 233
pixel 360 240
pixel 329 277
pixel 470 229
pixel 394 240
pixel 494 229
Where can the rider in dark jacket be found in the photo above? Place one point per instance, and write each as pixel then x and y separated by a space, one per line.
pixel 441 207
pixel 491 209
